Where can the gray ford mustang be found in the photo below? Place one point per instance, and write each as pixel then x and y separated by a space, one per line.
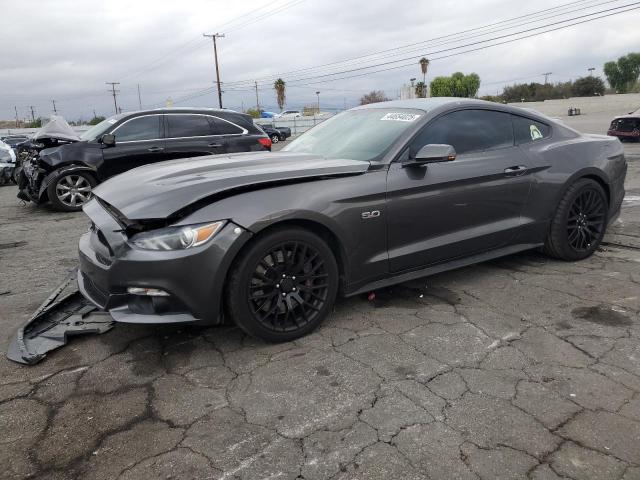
pixel 374 196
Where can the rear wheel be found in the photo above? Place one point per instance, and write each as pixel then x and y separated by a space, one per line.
pixel 283 286
pixel 579 223
pixel 275 138
pixel 70 191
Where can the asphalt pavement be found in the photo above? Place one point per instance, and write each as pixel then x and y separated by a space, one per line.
pixel 523 367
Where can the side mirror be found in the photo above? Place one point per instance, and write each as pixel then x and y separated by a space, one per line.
pixel 108 140
pixel 433 153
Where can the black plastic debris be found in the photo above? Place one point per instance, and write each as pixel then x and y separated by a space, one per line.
pixel 64 314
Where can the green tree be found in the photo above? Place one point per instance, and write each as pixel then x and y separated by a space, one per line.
pixel 421 90
pixel 374 96
pixel 280 86
pixel 587 87
pixel 96 120
pixel 622 74
pixel 253 112
pixel 457 85
pixel 37 123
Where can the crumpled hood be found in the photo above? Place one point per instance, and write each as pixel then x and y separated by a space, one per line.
pixel 158 190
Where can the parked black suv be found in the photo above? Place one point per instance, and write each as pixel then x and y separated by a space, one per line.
pixel 279 134
pixel 66 175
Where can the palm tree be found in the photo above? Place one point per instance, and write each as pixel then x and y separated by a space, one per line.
pixel 424 65
pixel 280 86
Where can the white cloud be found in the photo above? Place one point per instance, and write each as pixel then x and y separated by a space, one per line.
pixel 66 50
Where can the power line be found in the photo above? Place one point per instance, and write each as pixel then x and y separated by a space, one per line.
pixel 484 41
pixel 431 40
pixel 630 7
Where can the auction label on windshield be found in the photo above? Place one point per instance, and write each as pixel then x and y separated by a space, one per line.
pixel 401 117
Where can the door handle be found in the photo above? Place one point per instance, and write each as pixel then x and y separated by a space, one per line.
pixel 515 171
pixel 155 149
pixel 215 145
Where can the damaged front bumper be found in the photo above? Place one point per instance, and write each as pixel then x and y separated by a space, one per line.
pixel 64 314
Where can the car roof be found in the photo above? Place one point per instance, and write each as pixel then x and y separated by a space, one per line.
pixel 445 103
pixel 630 116
pixel 181 110
pixel 428 104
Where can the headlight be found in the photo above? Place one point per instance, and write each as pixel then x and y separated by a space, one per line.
pixel 176 238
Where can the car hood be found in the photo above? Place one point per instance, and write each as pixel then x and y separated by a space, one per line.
pixel 160 190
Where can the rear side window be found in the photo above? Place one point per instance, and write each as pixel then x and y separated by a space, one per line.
pixel 468 131
pixel 188 126
pixel 139 128
pixel 223 127
pixel 626 124
pixel 527 130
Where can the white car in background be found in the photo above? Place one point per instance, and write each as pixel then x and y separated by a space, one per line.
pixel 7 163
pixel 288 114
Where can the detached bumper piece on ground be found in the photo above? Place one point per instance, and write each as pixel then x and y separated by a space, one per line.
pixel 64 314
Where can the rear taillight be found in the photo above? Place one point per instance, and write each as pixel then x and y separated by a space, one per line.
pixel 265 142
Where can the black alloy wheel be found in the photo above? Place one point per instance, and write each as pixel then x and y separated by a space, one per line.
pixel 585 223
pixel 284 286
pixel 579 222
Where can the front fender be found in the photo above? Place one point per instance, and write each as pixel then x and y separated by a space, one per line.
pixel 46 181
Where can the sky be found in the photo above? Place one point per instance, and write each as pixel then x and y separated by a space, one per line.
pixel 65 50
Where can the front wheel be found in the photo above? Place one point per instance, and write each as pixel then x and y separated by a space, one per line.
pixel 68 192
pixel 579 223
pixel 283 286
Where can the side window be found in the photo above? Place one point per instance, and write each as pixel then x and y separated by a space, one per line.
pixel 188 126
pixel 527 130
pixel 223 127
pixel 468 131
pixel 140 128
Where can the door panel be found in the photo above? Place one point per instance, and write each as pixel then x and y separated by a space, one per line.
pixel 441 211
pixel 452 209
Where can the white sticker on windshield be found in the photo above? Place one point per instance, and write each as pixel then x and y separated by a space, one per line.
pixel 535 132
pixel 401 117
pixel 112 120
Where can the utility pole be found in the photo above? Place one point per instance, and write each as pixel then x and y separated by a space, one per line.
pixel 33 117
pixel 114 92
pixel 94 113
pixel 591 69
pixel 257 100
pixel 318 94
pixel 139 98
pixel 55 112
pixel 215 54
pixel 546 77
pixel 17 120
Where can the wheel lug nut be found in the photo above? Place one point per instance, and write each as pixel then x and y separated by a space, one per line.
pixel 278 286
pixel 294 289
pixel 284 294
pixel 293 278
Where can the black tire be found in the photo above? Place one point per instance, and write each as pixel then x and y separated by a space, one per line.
pixel 283 286
pixel 579 223
pixel 75 198
pixel 275 138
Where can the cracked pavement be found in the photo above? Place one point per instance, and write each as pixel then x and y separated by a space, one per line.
pixel 523 367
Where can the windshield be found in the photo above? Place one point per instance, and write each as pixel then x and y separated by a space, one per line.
pixel 97 130
pixel 356 135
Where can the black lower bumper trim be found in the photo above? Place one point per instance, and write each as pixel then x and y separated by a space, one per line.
pixel 64 314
